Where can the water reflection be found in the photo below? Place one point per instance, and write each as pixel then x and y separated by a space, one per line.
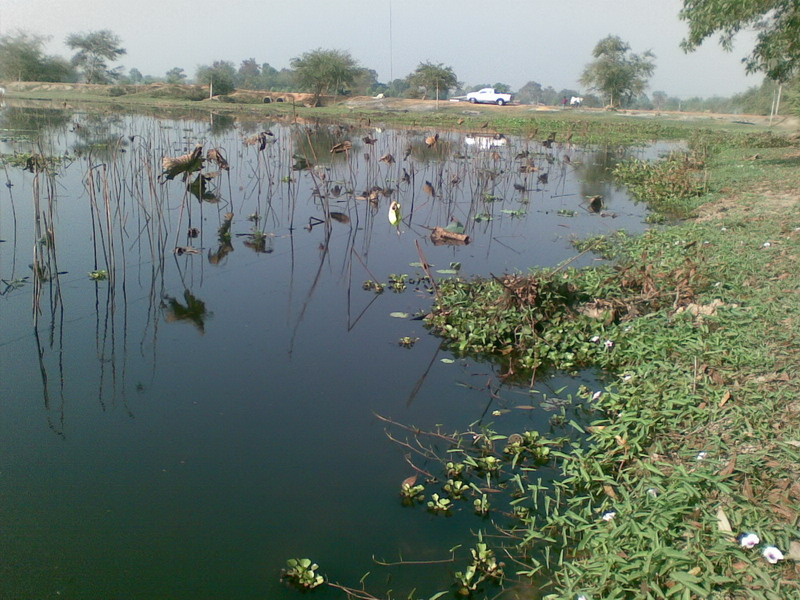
pixel 268 454
pixel 193 310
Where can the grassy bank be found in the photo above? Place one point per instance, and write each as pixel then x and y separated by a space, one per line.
pixel 584 126
pixel 695 439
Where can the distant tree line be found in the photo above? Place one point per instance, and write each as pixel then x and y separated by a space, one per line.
pixel 616 77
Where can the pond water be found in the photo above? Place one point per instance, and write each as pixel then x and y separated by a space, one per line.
pixel 182 428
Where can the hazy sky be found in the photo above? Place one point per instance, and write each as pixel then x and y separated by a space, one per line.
pixel 485 41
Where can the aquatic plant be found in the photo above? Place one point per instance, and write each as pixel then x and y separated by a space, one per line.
pixel 302 573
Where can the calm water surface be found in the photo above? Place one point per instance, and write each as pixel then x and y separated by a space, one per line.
pixel 181 429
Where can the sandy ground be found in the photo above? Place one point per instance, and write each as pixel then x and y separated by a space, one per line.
pixel 401 104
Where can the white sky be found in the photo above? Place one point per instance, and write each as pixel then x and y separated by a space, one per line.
pixel 485 41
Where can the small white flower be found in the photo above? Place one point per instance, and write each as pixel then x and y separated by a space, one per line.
pixel 608 344
pixel 596 395
pixel 609 516
pixel 594 339
pixel 702 455
pixel 724 229
pixel 652 492
pixel 772 554
pixel 627 377
pixel 767 244
pixel 749 540
pixel 582 597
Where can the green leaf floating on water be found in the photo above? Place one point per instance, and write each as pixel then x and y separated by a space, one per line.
pixel 455 227
pixel 447 271
pixel 399 315
pixel 448 361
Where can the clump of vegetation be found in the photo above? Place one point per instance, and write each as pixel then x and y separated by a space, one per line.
pixel 670 187
pixel 302 573
pixel 526 321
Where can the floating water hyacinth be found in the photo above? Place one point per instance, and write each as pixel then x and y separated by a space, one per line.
pixel 772 554
pixel 749 540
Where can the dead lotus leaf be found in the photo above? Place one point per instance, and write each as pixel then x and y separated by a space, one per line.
pixel 187 163
pixel 440 236
pixel 342 147
pixel 215 155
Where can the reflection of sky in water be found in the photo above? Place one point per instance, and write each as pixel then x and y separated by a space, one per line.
pixel 181 430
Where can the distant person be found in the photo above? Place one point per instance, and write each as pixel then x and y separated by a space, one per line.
pixel 564 101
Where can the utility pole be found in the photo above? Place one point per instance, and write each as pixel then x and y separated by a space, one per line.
pixel 391 46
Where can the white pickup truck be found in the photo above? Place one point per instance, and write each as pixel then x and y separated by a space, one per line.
pixel 489 96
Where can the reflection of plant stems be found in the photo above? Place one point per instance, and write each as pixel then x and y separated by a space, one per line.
pixel 415 562
pixel 426 268
pixel 423 377
pixel 310 291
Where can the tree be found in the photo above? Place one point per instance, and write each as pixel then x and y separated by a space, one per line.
pixel 94 49
pixel 175 75
pixel 659 99
pixel 617 72
pixel 530 93
pixel 435 79
pixel 220 77
pixel 22 59
pixel 776 52
pixel 135 76
pixel 249 75
pixel 320 71
pixel 396 88
pixel 366 83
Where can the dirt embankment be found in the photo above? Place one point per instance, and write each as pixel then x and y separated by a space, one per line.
pixel 407 105
pixel 197 92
